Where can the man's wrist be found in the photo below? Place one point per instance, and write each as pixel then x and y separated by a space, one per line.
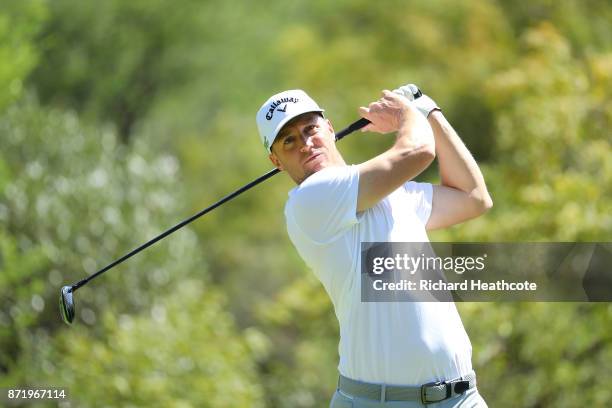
pixel 435 114
pixel 426 105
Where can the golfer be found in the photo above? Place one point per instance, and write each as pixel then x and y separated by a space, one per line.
pixel 392 354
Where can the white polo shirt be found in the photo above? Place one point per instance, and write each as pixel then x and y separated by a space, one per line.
pixel 397 343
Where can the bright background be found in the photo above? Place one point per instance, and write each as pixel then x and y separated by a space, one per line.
pixel 120 118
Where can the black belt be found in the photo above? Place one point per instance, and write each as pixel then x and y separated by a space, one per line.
pixel 426 393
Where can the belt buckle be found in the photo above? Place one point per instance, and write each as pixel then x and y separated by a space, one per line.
pixel 424 387
pixel 460 386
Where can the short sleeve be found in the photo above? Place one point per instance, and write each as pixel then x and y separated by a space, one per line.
pixel 325 204
pixel 421 197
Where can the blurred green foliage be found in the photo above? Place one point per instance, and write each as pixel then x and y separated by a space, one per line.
pixel 118 119
pixel 19 24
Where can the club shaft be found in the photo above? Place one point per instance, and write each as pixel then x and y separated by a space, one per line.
pixel 350 129
pixel 358 124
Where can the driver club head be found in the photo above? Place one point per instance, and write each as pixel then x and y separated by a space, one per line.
pixel 66 304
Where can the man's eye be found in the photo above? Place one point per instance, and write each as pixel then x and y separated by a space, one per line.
pixel 311 128
pixel 288 140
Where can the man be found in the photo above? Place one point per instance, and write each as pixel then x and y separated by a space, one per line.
pixel 390 353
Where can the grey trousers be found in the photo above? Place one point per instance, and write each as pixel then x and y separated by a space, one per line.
pixel 470 399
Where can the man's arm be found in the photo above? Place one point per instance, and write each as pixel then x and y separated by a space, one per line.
pixel 412 152
pixel 462 193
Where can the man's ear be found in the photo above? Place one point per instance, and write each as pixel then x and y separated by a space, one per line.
pixel 330 126
pixel 275 161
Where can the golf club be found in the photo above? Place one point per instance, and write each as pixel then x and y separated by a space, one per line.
pixel 66 301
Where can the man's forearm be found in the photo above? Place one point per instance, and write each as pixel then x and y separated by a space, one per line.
pixel 458 169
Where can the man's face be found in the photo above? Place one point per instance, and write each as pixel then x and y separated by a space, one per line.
pixel 305 145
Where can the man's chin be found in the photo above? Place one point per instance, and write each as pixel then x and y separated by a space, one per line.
pixel 312 170
pixel 315 167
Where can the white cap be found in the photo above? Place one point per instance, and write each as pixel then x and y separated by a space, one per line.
pixel 280 109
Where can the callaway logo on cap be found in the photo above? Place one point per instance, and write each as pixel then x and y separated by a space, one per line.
pixel 280 109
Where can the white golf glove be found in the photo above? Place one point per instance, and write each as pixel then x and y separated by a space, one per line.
pixel 422 102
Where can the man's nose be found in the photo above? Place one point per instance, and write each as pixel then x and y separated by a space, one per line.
pixel 307 142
